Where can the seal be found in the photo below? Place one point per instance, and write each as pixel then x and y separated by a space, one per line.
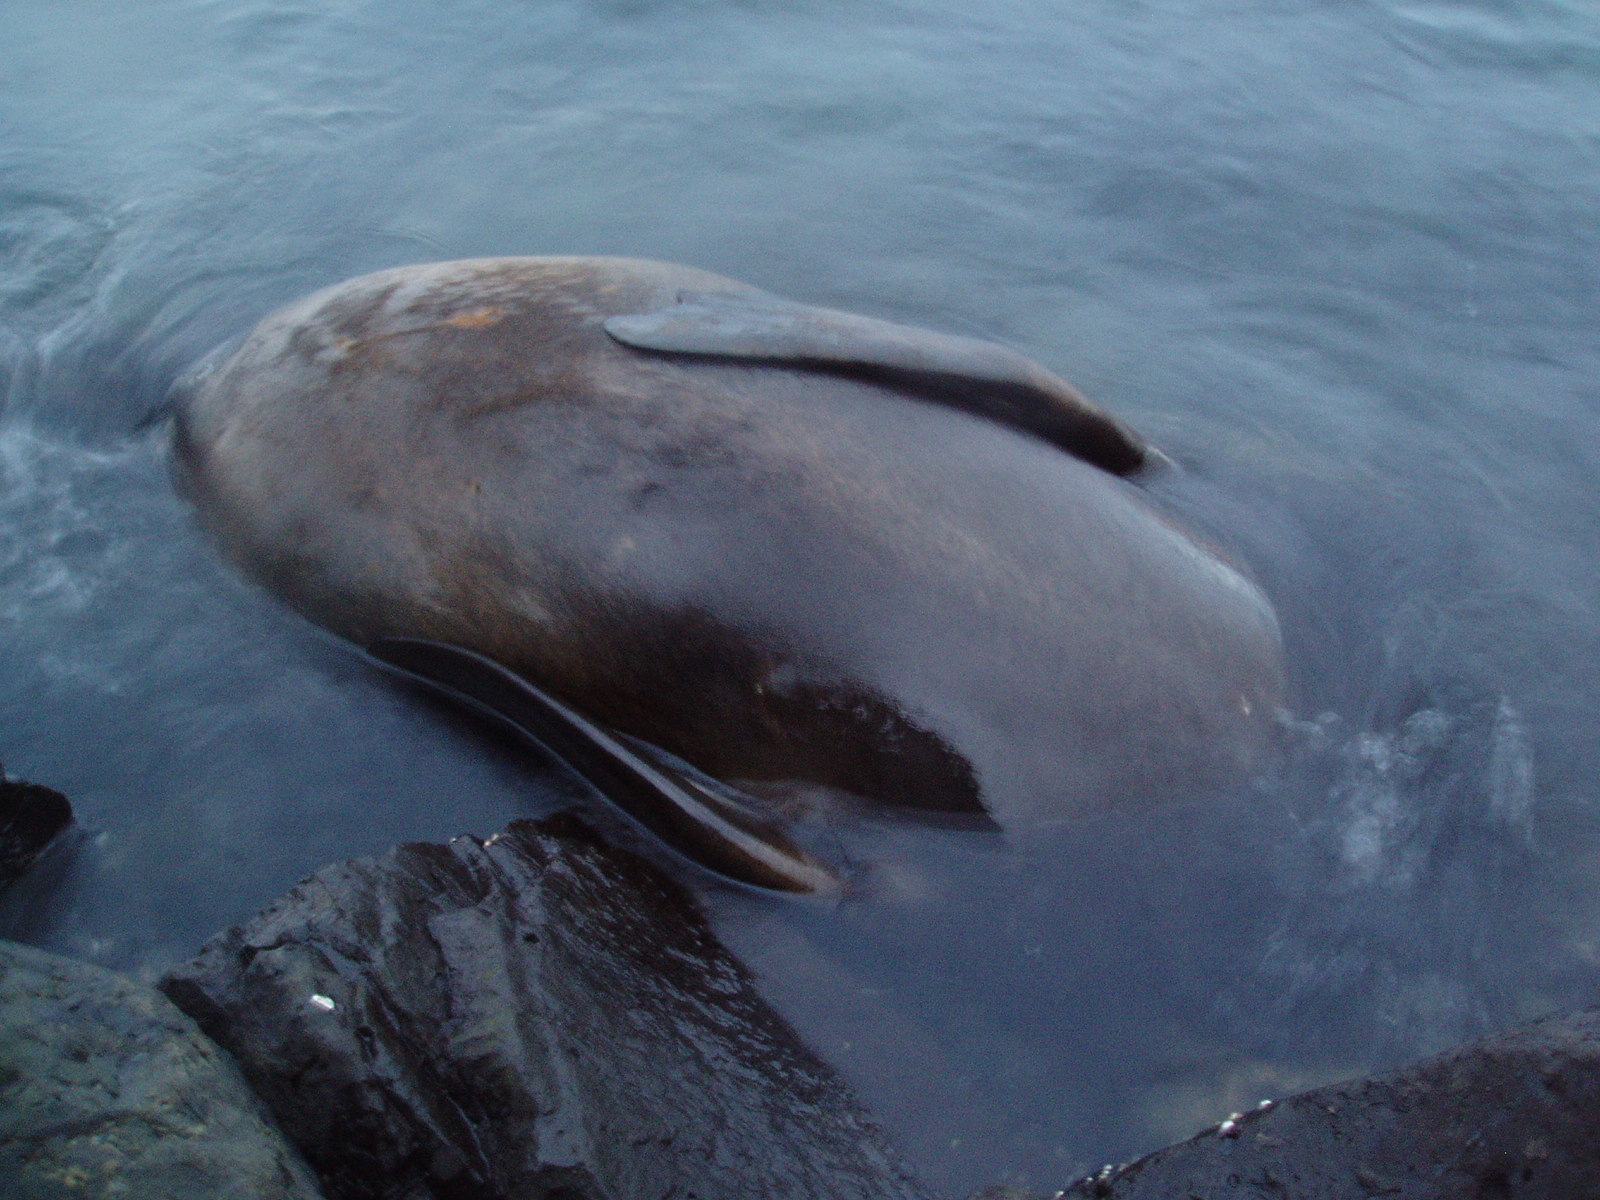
pixel 751 550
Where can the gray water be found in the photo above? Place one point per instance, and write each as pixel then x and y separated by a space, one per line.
pixel 1340 260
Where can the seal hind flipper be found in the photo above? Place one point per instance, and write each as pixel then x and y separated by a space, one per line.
pixel 700 819
pixel 979 376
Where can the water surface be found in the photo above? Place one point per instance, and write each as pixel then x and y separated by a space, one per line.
pixel 1342 261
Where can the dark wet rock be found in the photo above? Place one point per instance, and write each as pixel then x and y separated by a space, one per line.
pixel 538 1015
pixel 107 1090
pixel 1515 1116
pixel 31 818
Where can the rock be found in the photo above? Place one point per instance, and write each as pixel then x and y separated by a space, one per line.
pixel 107 1090
pixel 538 1015
pixel 31 817
pixel 1511 1116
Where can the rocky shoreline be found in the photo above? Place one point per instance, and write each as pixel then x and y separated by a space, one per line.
pixel 540 1014
pixel 33 818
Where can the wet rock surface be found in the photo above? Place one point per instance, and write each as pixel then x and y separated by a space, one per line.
pixel 1515 1116
pixel 538 1015
pixel 31 818
pixel 107 1090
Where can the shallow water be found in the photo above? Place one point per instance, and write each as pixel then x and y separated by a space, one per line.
pixel 1342 261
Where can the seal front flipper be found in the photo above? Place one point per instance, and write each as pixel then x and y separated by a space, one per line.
pixel 698 818
pixel 978 376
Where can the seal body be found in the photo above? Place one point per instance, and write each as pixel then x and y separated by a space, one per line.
pixel 787 573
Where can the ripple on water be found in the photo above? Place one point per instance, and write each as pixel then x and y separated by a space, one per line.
pixel 50 246
pixel 60 548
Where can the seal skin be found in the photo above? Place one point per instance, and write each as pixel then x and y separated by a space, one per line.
pixel 793 576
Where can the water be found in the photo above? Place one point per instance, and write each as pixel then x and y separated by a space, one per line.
pixel 1341 260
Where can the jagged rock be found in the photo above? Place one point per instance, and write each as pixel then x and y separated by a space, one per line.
pixel 538 1015
pixel 1515 1116
pixel 107 1090
pixel 31 817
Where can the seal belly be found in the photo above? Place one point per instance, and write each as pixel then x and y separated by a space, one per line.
pixel 774 572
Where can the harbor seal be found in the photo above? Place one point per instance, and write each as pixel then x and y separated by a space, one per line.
pixel 738 545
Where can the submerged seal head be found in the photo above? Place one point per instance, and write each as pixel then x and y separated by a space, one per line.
pixel 772 546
